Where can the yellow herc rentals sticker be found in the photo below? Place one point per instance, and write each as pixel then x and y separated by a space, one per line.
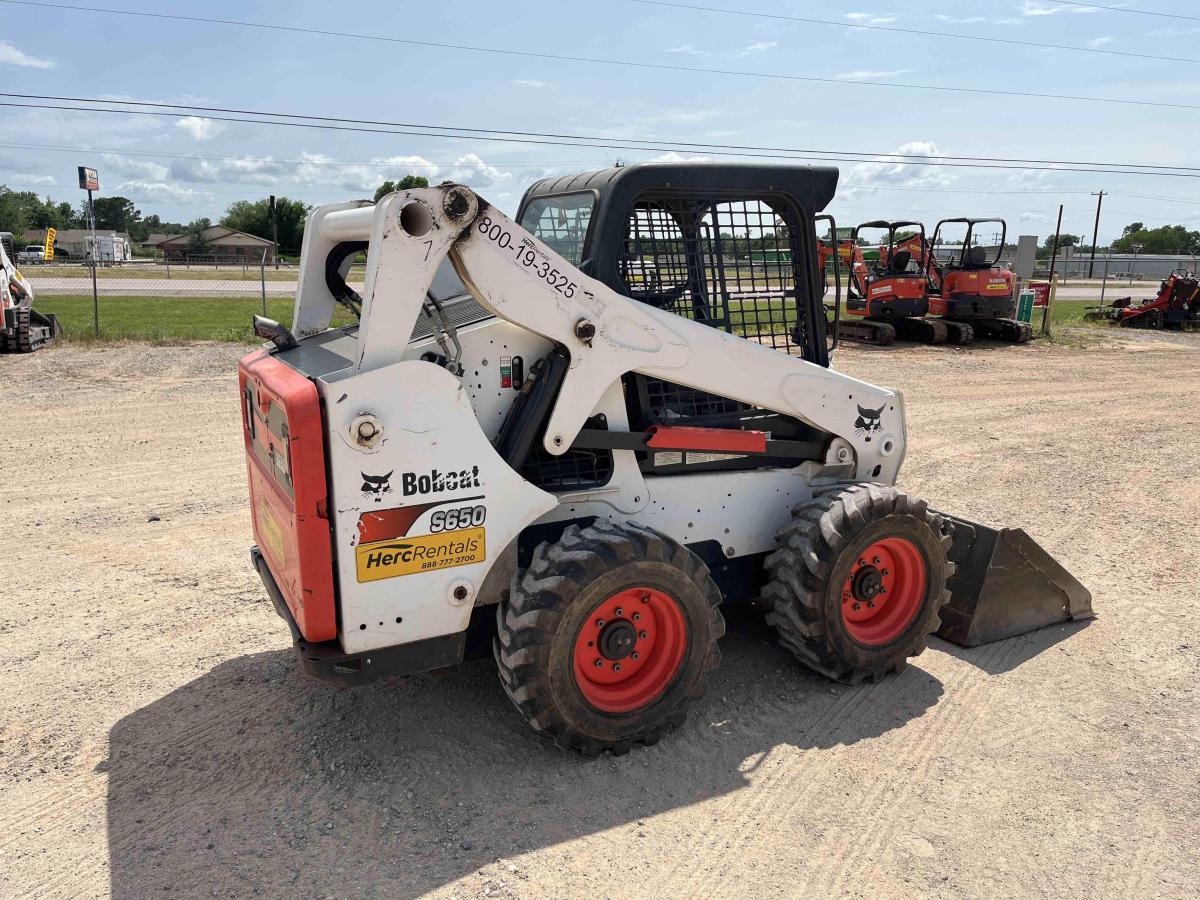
pixel 408 555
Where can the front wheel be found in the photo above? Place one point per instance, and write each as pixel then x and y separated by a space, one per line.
pixel 859 580
pixel 608 636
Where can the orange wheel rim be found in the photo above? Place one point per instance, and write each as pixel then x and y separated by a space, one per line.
pixel 884 591
pixel 629 649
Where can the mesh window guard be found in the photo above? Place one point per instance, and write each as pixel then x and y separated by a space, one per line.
pixel 727 263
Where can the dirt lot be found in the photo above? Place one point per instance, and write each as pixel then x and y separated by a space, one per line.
pixel 157 740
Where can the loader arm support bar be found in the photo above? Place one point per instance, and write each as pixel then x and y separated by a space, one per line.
pixel 518 278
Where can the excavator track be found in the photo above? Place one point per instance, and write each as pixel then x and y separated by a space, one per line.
pixel 29 335
pixel 959 333
pixel 1010 330
pixel 867 331
pixel 925 331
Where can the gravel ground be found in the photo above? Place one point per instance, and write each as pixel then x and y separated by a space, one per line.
pixel 156 738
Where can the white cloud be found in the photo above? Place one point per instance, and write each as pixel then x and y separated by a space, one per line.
pixel 969 20
pixel 671 157
pixel 871 74
pixel 529 82
pixel 1037 8
pixel 760 46
pixel 868 18
pixel 38 180
pixel 884 172
pixel 1101 41
pixel 680 116
pixel 11 56
pixel 157 190
pixel 687 49
pixel 318 170
pixel 200 128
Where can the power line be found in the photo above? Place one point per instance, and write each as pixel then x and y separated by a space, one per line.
pixel 1185 200
pixel 895 29
pixel 378 164
pixel 593 60
pixel 569 140
pixel 1123 9
pixel 157 154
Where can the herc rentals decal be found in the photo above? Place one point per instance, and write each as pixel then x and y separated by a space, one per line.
pixel 386 549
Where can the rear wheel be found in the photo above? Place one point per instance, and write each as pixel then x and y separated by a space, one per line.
pixel 858 581
pixel 608 636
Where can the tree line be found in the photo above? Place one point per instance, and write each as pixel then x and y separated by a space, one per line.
pixel 21 211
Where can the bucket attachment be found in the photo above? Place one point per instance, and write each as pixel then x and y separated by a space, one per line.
pixel 1005 584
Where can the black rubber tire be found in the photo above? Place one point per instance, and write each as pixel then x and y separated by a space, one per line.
pixel 549 601
pixel 817 549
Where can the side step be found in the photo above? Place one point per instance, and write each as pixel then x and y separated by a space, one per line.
pixel 1006 584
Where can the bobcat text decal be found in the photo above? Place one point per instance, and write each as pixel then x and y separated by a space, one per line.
pixel 434 482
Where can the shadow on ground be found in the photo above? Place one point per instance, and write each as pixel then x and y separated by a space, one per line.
pixel 1006 655
pixel 253 779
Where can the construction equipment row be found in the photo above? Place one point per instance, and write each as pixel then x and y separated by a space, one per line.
pixel 922 290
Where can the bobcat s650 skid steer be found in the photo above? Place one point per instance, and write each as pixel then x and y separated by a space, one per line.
pixel 570 437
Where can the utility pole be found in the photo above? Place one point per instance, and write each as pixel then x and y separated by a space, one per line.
pixel 1095 231
pixel 1053 260
pixel 274 232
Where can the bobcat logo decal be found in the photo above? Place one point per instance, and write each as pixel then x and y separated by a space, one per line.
pixel 375 486
pixel 868 421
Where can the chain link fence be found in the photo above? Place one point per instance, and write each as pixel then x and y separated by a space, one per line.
pixel 200 298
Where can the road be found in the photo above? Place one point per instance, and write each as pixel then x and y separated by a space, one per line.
pixel 158 740
pixel 114 285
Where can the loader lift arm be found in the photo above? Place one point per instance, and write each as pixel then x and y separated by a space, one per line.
pixel 517 277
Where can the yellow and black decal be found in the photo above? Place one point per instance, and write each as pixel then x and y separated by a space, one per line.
pixel 386 550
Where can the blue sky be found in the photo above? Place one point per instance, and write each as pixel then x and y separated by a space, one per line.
pixel 159 161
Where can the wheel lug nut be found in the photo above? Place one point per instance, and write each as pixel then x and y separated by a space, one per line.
pixel 637 617
pixel 645 598
pixel 636 655
pixel 875 560
pixel 617 667
pixel 884 572
pixel 857 607
pixel 643 635
pixel 870 604
pixel 619 612
pixel 599 664
pixel 599 623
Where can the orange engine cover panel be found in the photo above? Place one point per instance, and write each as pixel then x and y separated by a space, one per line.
pixel 285 466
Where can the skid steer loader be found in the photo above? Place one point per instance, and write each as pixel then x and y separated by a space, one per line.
pixel 22 328
pixel 571 436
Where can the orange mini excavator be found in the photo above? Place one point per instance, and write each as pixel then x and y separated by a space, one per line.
pixel 968 288
pixel 889 297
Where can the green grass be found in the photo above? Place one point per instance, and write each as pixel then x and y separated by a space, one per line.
pixel 177 319
pixel 182 273
pixel 168 319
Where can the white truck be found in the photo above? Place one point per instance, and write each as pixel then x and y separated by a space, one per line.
pixel 34 254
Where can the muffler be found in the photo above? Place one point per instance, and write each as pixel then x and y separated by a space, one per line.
pixel 1005 584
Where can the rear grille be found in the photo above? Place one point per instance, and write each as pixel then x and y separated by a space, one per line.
pixel 574 470
pixel 459 312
